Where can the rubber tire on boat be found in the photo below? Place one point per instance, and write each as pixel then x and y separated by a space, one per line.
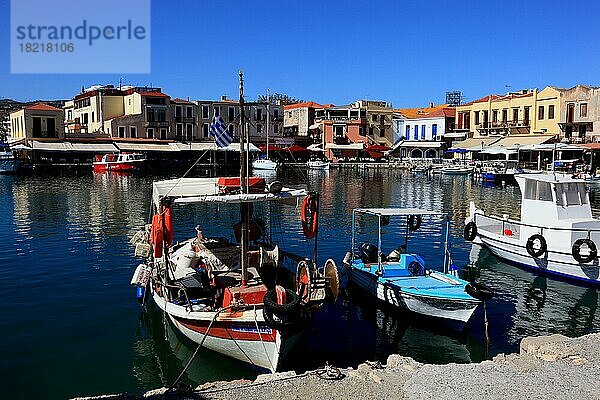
pixel 470 232
pixel 414 222
pixel 543 246
pixel 415 269
pixel 479 291
pixel 291 305
pixel 289 311
pixel 576 251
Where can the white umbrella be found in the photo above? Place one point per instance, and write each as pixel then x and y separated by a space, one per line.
pixel 21 147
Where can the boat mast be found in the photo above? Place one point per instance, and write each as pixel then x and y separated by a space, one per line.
pixel 244 207
pixel 268 118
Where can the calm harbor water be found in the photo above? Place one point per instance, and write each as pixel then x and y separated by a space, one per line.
pixel 71 325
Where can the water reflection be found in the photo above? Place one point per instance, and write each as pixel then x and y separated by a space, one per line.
pixel 70 233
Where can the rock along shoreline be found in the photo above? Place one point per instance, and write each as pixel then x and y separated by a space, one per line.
pixel 547 367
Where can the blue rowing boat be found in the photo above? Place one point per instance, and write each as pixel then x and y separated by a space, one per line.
pixel 404 280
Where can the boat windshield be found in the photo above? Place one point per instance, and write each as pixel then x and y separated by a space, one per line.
pixel 571 194
pixel 538 190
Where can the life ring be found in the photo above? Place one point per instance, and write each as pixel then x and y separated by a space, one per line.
pixel 470 232
pixel 576 251
pixel 479 291
pixel 531 250
pixel 168 225
pixel 309 216
pixel 414 222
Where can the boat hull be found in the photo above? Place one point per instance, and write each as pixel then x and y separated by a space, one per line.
pixel 558 263
pixel 249 340
pixel 448 309
pixel 117 166
pixel 7 166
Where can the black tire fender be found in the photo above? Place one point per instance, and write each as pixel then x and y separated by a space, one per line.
pixel 479 291
pixel 576 251
pixel 414 222
pixel 543 246
pixel 470 232
pixel 291 305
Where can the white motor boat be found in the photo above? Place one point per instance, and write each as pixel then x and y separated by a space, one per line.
pixel 264 164
pixel 556 234
pixel 8 163
pixel 457 170
pixel 318 164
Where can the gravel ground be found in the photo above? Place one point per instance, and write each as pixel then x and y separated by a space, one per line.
pixel 548 367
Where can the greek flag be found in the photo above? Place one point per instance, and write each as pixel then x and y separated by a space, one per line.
pixel 218 130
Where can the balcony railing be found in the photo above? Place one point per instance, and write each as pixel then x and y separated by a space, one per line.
pixel 504 124
pixel 181 118
pixel 160 124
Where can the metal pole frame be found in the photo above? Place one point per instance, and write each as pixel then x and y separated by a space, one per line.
pixel 353 232
pixel 446 251
pixel 379 268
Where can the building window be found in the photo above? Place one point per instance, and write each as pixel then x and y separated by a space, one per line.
pixel 179 130
pixel 374 117
pixel 258 128
pixel 189 112
pixel 231 114
pixel 259 114
pixel 422 132
pixel 434 130
pixel 276 114
pixel 93 119
pixel 541 113
pixel 177 111
pixel 121 131
pixel 161 116
pixel 526 116
pixel 338 131
pixel 551 112
pixel 504 116
pixel 416 134
pixel 381 132
pixel 132 131
pixel 476 118
pixel 189 132
pixel 150 114
pixel 275 128
pixel 515 114
pixel 150 133
pixel 163 133
pixel 382 118
pixel 407 135
pixel 583 110
pixel 205 129
pixel 205 113
pixel 495 116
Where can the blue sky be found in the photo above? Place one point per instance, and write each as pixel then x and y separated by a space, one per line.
pixel 408 53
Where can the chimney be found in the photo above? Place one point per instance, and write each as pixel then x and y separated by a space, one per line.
pixel 431 104
pixel 224 97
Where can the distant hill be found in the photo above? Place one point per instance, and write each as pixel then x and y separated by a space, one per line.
pixel 9 105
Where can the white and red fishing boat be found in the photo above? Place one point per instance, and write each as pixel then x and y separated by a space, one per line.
pixel 122 162
pixel 232 296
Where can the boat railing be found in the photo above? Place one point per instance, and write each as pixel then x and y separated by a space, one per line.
pixel 507 223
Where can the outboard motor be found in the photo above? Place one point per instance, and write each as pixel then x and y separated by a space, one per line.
pixel 368 252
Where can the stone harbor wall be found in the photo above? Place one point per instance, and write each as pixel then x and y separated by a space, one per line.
pixel 547 367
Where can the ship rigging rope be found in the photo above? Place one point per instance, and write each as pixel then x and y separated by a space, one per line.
pixel 261 339
pixel 199 345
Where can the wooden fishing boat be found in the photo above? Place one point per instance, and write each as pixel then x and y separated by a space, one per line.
pixel 232 297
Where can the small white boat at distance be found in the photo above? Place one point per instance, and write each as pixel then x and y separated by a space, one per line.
pixel 457 170
pixel 8 163
pixel 403 280
pixel 264 164
pixel 556 234
pixel 318 164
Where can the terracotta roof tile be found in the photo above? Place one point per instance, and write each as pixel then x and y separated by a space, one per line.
pixel 181 101
pixel 42 107
pixel 427 112
pixel 310 104
pixel 153 94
